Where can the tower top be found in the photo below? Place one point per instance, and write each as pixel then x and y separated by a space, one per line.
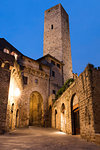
pixel 58 6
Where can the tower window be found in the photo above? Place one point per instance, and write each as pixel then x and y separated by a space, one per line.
pixel 52 26
pixel 53 73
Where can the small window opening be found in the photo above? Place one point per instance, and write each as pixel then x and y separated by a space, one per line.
pixel 52 26
pixel 53 73
pixel 25 79
pixel 36 81
pixel 58 65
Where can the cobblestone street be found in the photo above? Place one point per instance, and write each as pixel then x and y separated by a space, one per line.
pixel 35 138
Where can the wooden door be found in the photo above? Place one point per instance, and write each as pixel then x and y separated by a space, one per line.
pixel 76 122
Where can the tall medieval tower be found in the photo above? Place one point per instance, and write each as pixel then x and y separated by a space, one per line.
pixel 57 37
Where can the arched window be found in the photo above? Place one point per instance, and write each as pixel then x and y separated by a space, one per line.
pixel 6 50
pixel 14 54
pixel 63 108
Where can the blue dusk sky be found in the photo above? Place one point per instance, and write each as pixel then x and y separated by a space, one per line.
pixel 22 25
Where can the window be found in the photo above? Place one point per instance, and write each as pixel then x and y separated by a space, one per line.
pixel 58 65
pixel 36 81
pixel 53 92
pixel 53 73
pixel 14 54
pixel 52 62
pixel 6 50
pixel 40 67
pixel 25 79
pixel 49 10
pixel 52 26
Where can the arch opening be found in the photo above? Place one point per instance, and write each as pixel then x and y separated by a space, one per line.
pixel 63 117
pixel 75 115
pixel 36 109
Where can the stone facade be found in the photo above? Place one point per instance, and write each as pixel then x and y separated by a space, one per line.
pixel 28 87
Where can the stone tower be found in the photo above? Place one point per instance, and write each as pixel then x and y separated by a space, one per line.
pixel 57 38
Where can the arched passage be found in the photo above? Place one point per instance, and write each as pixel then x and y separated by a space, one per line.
pixel 75 115
pixel 63 118
pixel 36 109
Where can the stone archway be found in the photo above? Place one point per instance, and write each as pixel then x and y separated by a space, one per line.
pixel 63 117
pixel 75 115
pixel 36 109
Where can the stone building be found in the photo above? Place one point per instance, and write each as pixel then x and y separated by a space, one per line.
pixel 28 87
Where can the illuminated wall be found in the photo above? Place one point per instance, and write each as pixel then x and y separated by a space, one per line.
pixel 14 98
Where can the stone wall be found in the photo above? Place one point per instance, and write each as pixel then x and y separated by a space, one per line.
pixel 4 88
pixel 6 63
pixel 14 98
pixel 82 88
pixel 95 73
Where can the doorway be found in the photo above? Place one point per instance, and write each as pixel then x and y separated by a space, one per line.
pixel 17 118
pixel 36 109
pixel 75 116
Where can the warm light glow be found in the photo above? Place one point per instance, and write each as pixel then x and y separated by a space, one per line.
pixel 61 133
pixel 17 92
